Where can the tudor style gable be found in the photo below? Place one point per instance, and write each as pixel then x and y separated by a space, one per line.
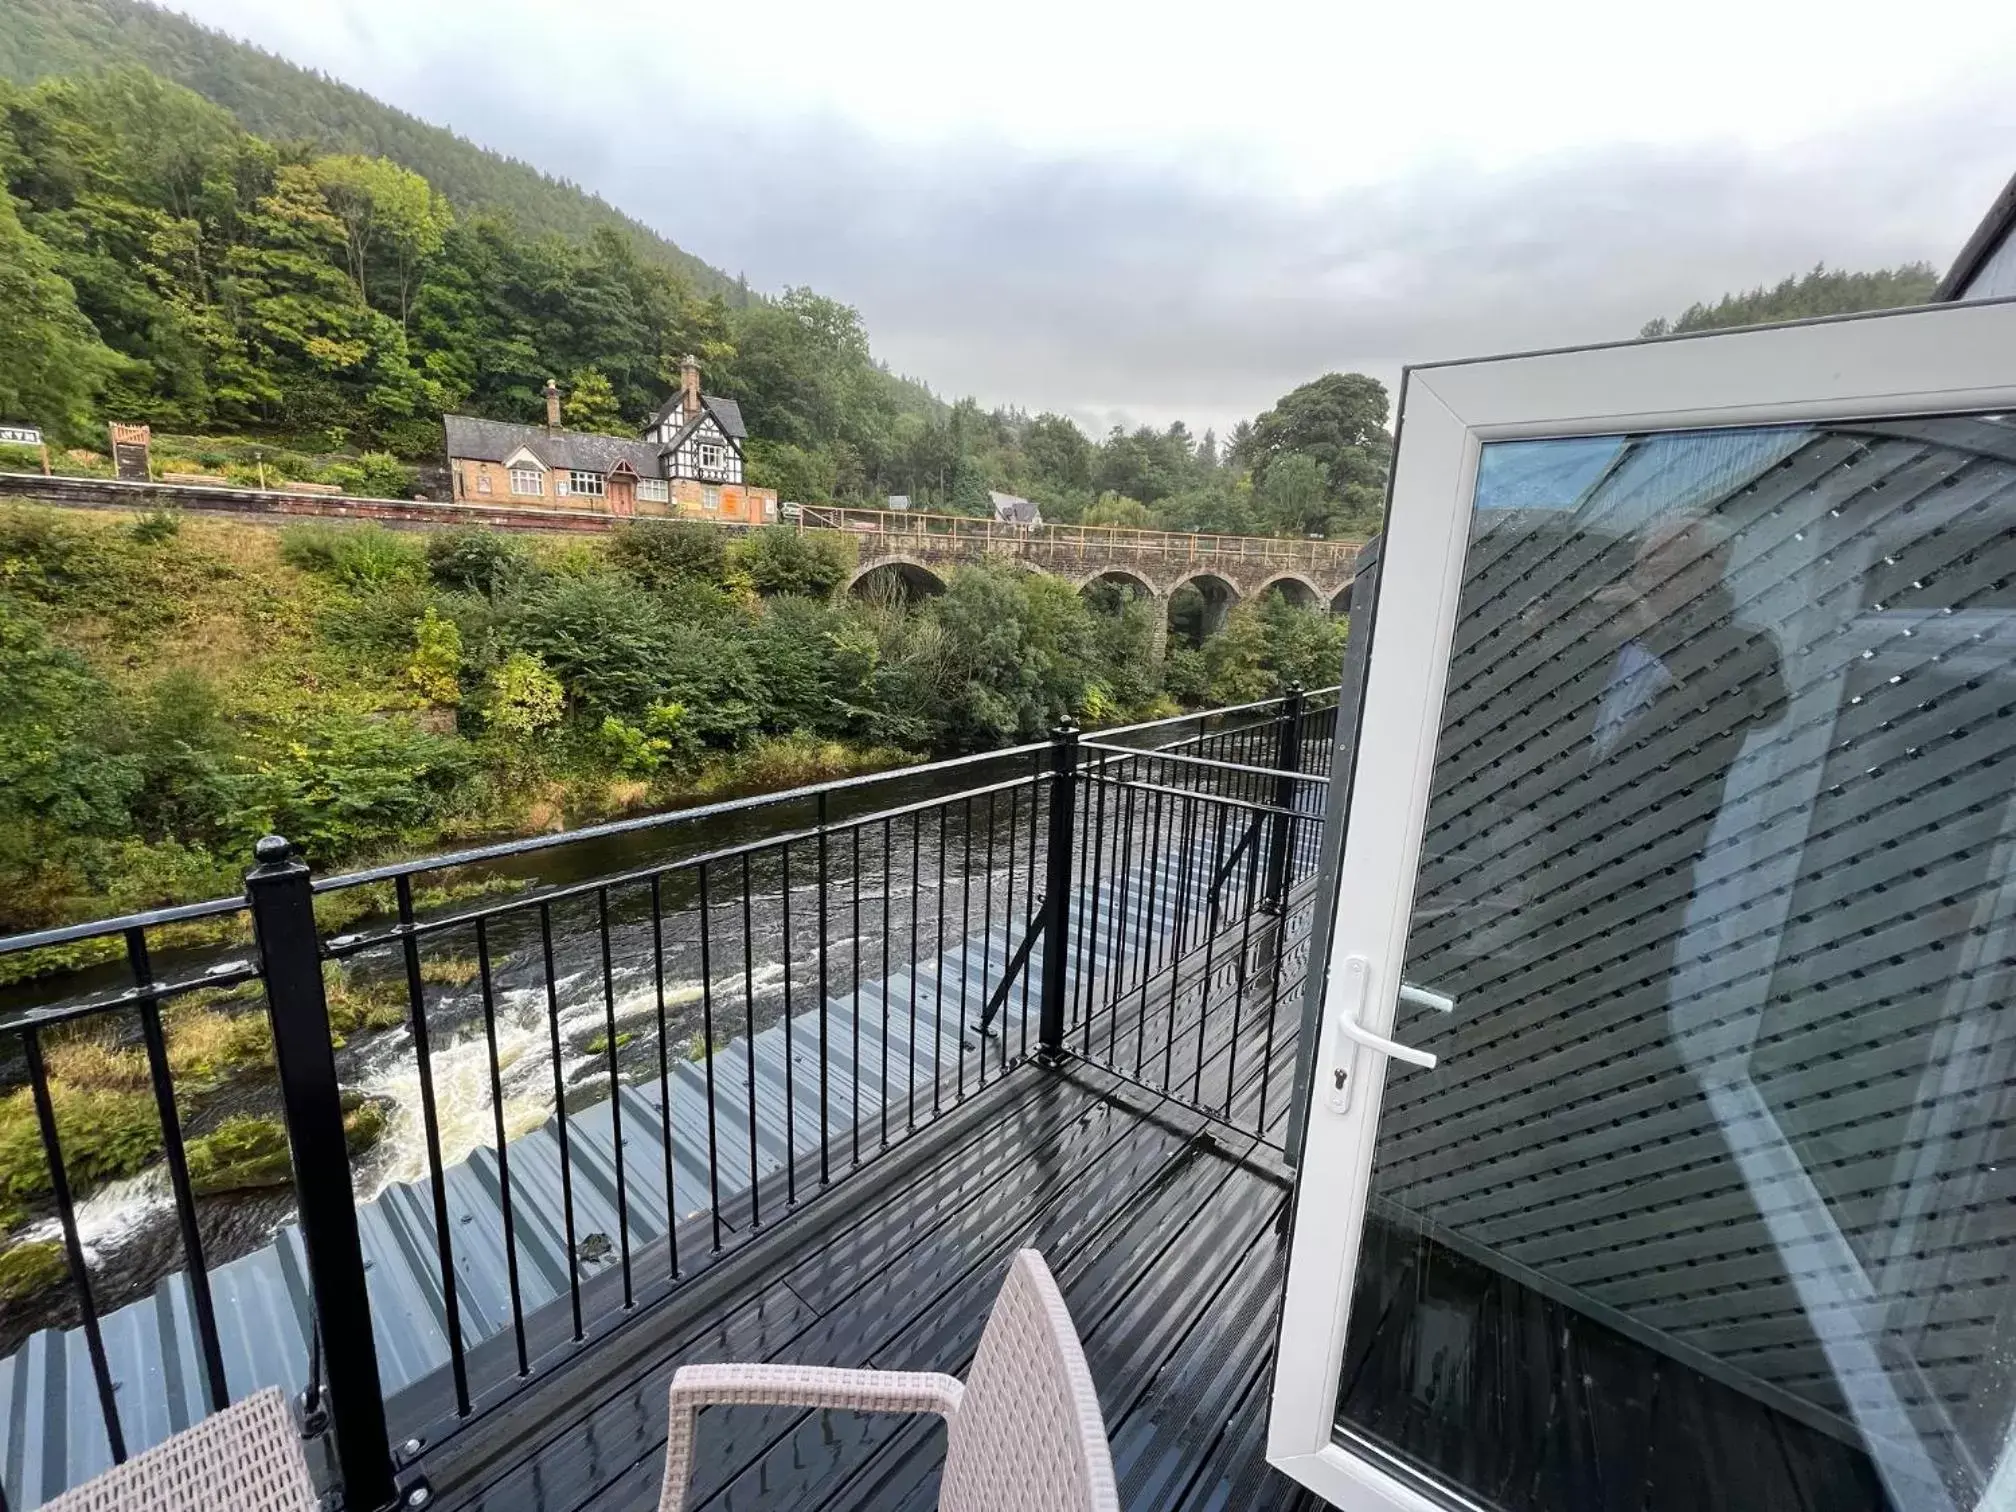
pixel 703 450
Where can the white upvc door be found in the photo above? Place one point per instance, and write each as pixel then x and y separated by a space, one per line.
pixel 1685 769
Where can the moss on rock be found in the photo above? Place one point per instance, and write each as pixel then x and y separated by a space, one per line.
pixel 31 1268
pixel 105 1133
pixel 356 1004
pixel 248 1153
pixel 240 1154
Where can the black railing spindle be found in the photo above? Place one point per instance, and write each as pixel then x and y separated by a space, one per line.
pixel 707 1040
pixel 504 1194
pixel 73 1246
pixel 176 1155
pixel 560 1113
pixel 615 1095
pixel 430 1123
pixel 1057 888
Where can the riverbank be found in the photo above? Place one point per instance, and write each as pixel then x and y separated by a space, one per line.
pixel 180 686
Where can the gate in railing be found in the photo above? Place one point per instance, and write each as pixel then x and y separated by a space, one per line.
pixel 603 1083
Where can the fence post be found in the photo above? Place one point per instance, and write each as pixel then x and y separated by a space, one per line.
pixel 1057 888
pixel 290 960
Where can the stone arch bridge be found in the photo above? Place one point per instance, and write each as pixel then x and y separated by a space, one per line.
pixel 917 550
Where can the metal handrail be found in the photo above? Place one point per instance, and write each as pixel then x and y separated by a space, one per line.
pixel 506 849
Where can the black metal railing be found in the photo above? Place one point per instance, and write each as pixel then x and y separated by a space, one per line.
pixel 609 1058
pixel 1184 957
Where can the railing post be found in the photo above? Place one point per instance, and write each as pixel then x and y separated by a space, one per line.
pixel 1287 762
pixel 290 960
pixel 1057 888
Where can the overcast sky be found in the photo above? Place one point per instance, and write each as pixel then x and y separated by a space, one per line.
pixel 1176 210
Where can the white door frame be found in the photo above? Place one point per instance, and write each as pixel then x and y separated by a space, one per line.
pixel 1941 359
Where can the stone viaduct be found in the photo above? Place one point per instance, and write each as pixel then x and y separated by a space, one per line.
pixel 916 550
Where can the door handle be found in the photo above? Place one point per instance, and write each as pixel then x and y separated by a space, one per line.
pixel 1355 981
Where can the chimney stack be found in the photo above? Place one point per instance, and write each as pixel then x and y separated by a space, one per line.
pixel 689 386
pixel 552 405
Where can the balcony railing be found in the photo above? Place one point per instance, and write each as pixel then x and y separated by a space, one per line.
pixel 712 1018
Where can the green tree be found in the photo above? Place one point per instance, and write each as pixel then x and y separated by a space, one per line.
pixel 1339 422
pixel 52 363
pixel 1059 454
pixel 1821 291
pixel 390 215
pixel 1114 509
pixel 779 559
pixel 590 404
pixel 1295 497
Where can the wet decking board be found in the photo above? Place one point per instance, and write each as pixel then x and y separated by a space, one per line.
pixel 1164 1237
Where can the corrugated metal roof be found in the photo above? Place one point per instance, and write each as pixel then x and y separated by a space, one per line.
pixel 51 1436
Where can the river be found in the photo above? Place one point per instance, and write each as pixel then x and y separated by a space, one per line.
pixel 921 880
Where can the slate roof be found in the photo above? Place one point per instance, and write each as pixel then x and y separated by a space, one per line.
pixel 1014 510
pixel 727 414
pixel 494 440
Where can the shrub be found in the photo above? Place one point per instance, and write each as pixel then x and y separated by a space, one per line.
pixel 346 784
pixel 525 697
pixel 477 560
pixel 778 559
pixel 357 556
pixel 156 526
pixel 383 476
pixel 434 671
pixel 659 553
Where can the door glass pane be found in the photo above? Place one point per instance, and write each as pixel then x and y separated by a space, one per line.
pixel 1711 1200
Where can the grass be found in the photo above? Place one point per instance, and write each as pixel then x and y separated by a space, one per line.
pixel 208 1040
pixel 600 1043
pixel 357 1004
pixel 450 971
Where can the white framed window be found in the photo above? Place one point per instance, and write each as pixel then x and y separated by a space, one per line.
pixel 482 480
pixel 713 456
pixel 584 485
pixel 769 509
pixel 710 497
pixel 654 490
pixel 528 480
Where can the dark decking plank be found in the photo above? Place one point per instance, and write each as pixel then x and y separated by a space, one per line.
pixel 819 1453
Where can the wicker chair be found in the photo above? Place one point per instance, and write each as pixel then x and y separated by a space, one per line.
pixel 1023 1430
pixel 246 1458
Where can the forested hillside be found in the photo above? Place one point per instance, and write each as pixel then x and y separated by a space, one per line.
pixel 1823 291
pixel 177 688
pixel 274 98
pixel 159 263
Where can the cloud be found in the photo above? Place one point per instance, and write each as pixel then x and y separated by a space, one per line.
pixel 1120 284
pixel 1115 291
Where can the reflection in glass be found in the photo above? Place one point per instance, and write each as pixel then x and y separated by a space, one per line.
pixel 1711 1200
